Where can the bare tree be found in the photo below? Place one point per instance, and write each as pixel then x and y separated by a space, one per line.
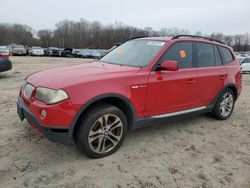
pixel 85 34
pixel 45 37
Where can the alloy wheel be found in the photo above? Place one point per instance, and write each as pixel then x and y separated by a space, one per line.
pixel 226 105
pixel 105 133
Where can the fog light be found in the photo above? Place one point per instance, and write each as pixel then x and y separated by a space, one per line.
pixel 43 114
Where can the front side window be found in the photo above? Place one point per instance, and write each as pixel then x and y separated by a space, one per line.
pixel 180 52
pixel 136 53
pixel 205 55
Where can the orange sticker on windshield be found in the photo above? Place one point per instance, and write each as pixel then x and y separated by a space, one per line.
pixel 183 53
pixel 120 52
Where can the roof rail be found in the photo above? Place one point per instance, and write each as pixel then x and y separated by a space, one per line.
pixel 138 37
pixel 196 36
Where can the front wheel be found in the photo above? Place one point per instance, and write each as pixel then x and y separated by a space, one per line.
pixel 101 132
pixel 225 105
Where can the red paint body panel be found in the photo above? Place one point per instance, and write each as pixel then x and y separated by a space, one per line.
pixel 170 91
pixel 210 81
pixel 58 115
pixel 4 55
pixel 149 92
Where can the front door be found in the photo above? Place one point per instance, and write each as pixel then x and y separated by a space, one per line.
pixel 172 91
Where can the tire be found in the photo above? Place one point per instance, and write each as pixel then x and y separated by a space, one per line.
pixel 96 137
pixel 224 106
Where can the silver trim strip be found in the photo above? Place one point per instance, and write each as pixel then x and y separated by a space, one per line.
pixel 179 112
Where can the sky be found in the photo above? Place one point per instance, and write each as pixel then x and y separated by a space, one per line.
pixel 207 16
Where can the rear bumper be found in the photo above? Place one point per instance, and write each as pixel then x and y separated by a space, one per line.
pixel 5 65
pixel 54 134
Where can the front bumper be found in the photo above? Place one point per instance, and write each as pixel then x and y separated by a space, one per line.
pixel 37 53
pixel 18 53
pixel 54 134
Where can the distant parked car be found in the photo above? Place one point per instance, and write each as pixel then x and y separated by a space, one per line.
pixel 4 52
pixel 18 50
pixel 60 51
pixel 10 49
pixel 76 53
pixel 240 59
pixel 245 65
pixel 67 52
pixel 103 52
pixel 52 51
pixel 84 53
pixel 36 51
pixel 5 64
pixel 244 55
pixel 94 54
pixel 27 50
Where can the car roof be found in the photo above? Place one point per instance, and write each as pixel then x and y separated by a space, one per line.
pixel 185 38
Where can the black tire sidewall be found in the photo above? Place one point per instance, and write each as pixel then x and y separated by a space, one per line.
pixel 86 124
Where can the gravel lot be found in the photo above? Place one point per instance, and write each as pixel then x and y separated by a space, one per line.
pixel 195 152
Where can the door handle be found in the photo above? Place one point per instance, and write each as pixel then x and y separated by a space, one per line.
pixel 222 77
pixel 191 81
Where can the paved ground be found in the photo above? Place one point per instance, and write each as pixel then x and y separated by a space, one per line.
pixel 196 152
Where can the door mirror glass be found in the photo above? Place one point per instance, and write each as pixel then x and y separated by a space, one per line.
pixel 170 65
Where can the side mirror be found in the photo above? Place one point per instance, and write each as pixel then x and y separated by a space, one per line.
pixel 170 65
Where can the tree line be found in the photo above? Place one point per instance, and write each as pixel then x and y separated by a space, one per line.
pixel 85 34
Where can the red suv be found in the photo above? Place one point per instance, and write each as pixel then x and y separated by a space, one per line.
pixel 94 104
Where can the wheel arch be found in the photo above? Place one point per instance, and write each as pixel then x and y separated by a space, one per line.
pixel 228 86
pixel 117 100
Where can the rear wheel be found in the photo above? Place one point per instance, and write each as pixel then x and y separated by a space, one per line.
pixel 225 105
pixel 101 132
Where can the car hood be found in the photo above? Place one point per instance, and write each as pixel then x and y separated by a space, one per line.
pixel 68 75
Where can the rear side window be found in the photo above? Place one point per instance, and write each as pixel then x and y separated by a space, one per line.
pixel 226 54
pixel 218 60
pixel 181 52
pixel 205 55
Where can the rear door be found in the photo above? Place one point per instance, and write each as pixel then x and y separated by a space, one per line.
pixel 211 73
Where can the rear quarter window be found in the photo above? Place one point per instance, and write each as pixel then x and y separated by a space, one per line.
pixel 226 55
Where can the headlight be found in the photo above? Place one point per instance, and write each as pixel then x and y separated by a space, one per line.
pixel 23 84
pixel 50 96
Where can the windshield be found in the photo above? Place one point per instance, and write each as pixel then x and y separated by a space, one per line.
pixel 19 46
pixel 134 53
pixel 53 48
pixel 36 47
